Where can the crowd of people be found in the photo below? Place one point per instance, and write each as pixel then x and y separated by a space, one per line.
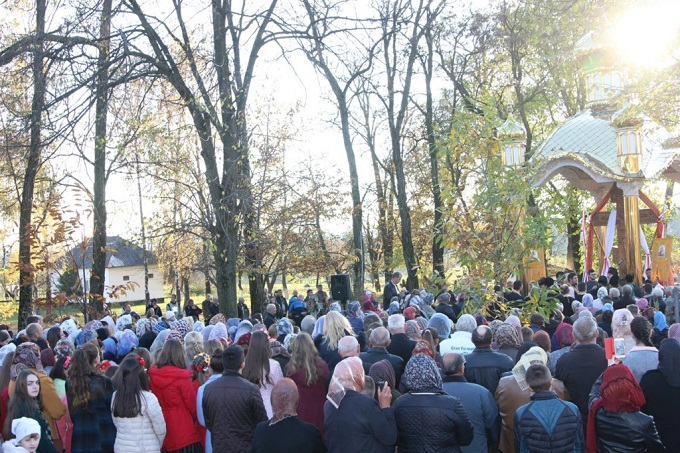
pixel 419 372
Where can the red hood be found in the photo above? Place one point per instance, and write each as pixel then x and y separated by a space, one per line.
pixel 167 375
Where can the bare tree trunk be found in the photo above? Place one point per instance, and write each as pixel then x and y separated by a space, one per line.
pixel 317 56
pixel 437 233
pixel 26 269
pixel 145 255
pixel 97 277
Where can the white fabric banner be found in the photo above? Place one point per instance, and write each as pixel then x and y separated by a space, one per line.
pixel 609 241
pixel 645 247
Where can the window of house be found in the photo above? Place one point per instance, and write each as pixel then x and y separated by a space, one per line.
pixel 150 275
pixel 126 278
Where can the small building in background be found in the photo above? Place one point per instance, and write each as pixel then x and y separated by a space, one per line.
pixel 124 269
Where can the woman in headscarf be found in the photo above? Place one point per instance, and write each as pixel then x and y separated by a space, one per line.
pixel 394 307
pixel 127 343
pixel 352 420
pixel 219 317
pixel 661 388
pixel 219 332
pixel 615 422
pixel 412 329
pixel 588 303
pixel 283 328
pixel 515 322
pixel 27 357
pixel 660 328
pixel 243 328
pixel 507 340
pixel 621 327
pixel 310 374
pixel 355 317
pixel 565 338
pixel 448 426
pixel 383 371
pixel 158 343
pixel 513 392
pixel 674 331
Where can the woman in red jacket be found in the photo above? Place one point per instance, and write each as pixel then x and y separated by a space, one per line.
pixel 171 383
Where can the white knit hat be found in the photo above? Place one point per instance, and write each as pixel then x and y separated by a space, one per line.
pixel 22 427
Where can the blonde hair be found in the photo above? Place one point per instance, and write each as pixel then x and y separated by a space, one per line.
pixel 335 327
pixel 303 357
pixel 193 345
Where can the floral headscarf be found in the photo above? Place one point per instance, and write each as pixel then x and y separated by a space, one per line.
pixel 393 308
pixel 674 331
pixel 335 306
pixel 284 326
pixel 161 326
pixel 506 337
pixel 69 326
pixel 26 356
pixel 198 326
pixel 422 373
pixel 64 348
pixel 145 325
pixel 412 329
pixel 602 292
pixel 354 310
pixel 182 326
pixel 93 325
pixel 243 328
pixel 348 375
pixel 127 342
pixel 423 347
pixel 278 349
pixel 85 336
pixel 219 317
pixel 289 340
pixel 174 335
pixel 157 344
pixel 588 300
pixel 516 323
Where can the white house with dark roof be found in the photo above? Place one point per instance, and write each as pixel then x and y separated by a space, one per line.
pixel 124 265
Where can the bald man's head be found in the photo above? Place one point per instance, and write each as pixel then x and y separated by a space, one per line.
pixel 348 347
pixel 285 398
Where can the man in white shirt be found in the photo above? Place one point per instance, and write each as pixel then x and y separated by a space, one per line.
pixel 461 340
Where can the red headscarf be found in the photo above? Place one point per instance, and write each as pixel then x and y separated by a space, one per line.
pixel 619 392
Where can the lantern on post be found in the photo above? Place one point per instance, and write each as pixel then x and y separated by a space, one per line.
pixel 629 143
pixel 513 137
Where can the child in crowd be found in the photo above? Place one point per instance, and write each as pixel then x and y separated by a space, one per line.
pixel 27 436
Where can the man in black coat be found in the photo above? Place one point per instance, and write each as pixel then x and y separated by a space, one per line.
pixel 484 366
pixel 400 344
pixel 579 368
pixel 391 290
pixel 379 341
pixel 232 406
pixel 285 432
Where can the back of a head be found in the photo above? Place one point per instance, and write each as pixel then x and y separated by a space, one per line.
pixel 585 330
pixel 629 278
pixel 602 280
pixel 538 319
pixel 614 293
pixel 371 319
pixel 482 337
pixel 466 323
pixel 396 323
pixel 633 309
pixel 517 285
pixel 232 358
pixel 285 397
pixel 33 330
pixel 539 378
pixel 627 291
pixel 527 334
pixel 380 338
pixel 452 363
pixel 581 287
pixel 348 346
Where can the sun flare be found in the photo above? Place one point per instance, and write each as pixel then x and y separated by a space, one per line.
pixel 646 34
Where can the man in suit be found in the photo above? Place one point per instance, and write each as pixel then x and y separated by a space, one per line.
pixel 400 344
pixel 391 290
pixel 379 341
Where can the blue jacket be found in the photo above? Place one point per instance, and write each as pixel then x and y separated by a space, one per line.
pixel 294 303
pixel 480 407
pixel 548 424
